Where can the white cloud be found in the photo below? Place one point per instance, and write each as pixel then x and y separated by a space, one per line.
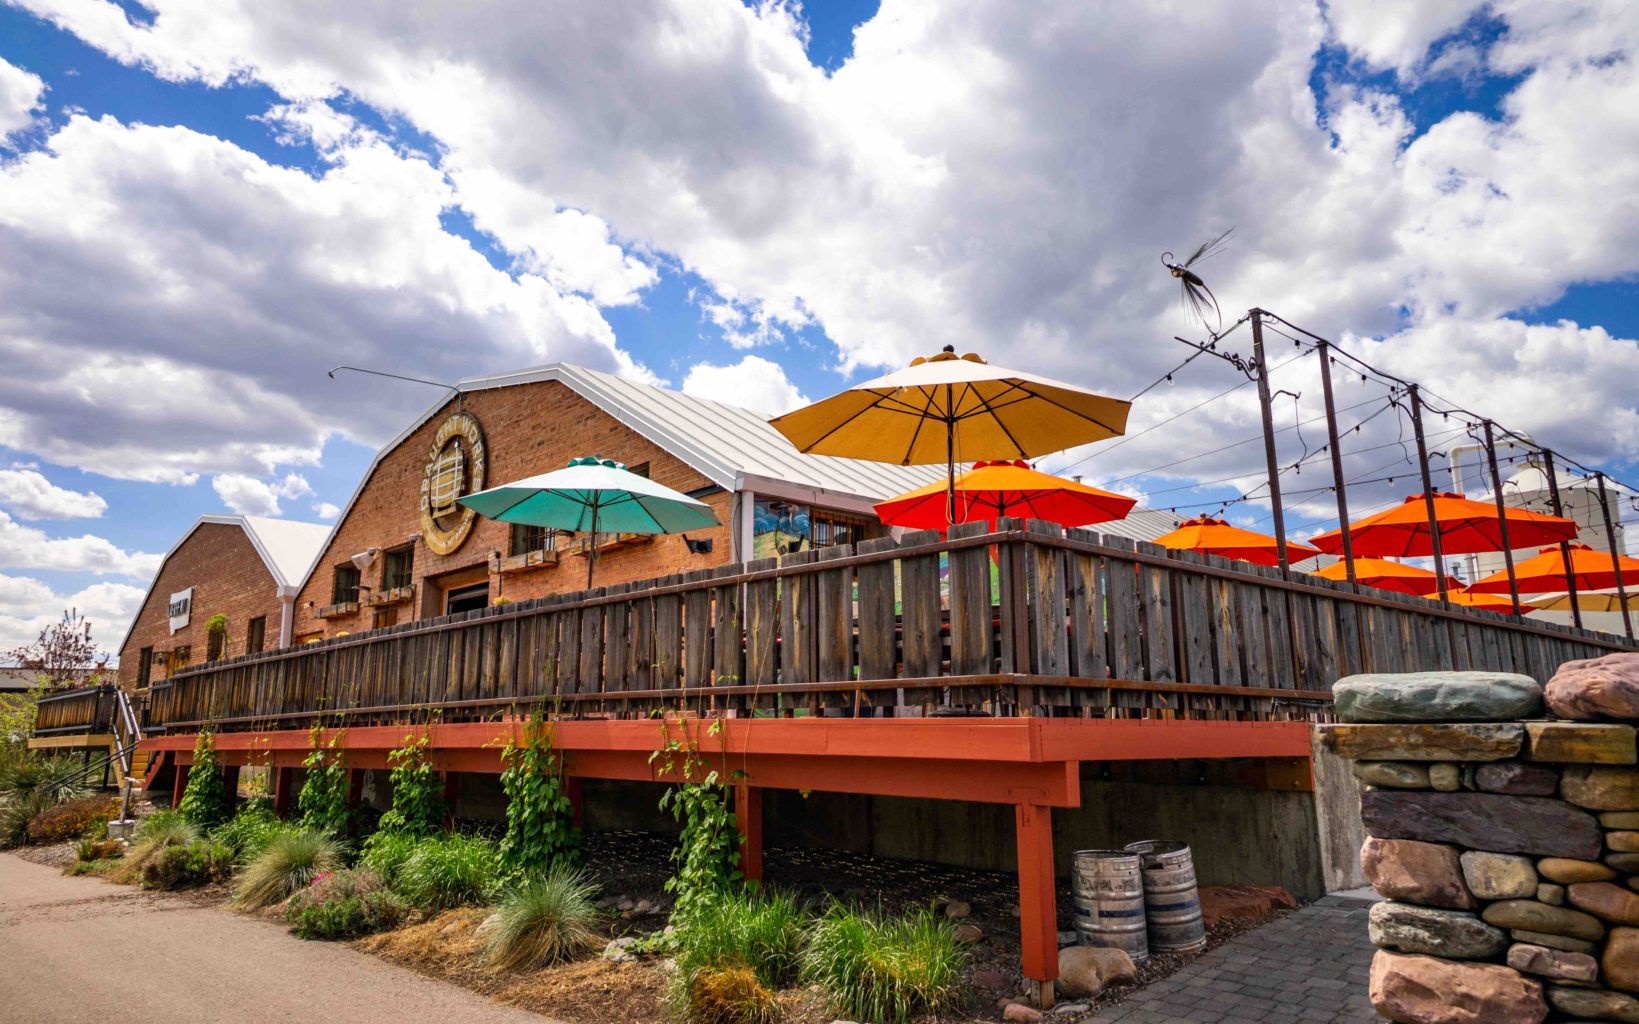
pixel 753 382
pixel 968 176
pixel 326 510
pixel 20 93
pixel 235 285
pixel 32 496
pixel 28 606
pixel 249 496
pixel 25 547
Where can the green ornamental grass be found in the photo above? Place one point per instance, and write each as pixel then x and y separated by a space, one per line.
pixel 544 919
pixel 385 854
pixel 248 833
pixel 884 969
pixel 156 833
pixel 289 863
pixel 448 871
pixel 765 933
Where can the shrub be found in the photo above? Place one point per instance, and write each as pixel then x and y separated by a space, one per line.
pixel 385 854
pixel 92 848
pixel 543 920
pixel 68 820
pixel 157 833
pixel 183 867
pixel 765 933
pixel 205 798
pixel 30 785
pixel 731 995
pixel 881 969
pixel 344 905
pixel 289 863
pixel 444 872
pixel 248 832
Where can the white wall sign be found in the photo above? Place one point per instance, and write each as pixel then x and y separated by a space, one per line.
pixel 181 608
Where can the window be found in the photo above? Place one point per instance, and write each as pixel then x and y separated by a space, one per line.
pixel 641 469
pixel 145 667
pixel 255 634
pixel 398 567
pixel 346 589
pixel 384 617
pixel 216 639
pixel 530 538
pixel 466 599
pixel 180 656
pixel 834 528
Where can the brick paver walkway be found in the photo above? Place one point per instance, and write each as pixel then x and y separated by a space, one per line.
pixel 1308 967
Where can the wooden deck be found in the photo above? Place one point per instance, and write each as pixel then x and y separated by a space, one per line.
pixel 1026 620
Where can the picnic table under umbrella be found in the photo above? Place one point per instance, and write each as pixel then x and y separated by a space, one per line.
pixel 946 407
pixel 991 490
pixel 1385 574
pixel 593 495
pixel 1466 527
pixel 1212 536
pixel 1547 572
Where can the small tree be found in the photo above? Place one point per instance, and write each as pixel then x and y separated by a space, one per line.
pixel 63 655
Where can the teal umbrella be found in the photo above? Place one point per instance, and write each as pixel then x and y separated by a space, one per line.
pixel 593 495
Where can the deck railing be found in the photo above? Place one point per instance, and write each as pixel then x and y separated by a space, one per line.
pixel 1029 618
pixel 85 709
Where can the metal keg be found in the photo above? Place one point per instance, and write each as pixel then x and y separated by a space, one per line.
pixel 1108 891
pixel 1172 902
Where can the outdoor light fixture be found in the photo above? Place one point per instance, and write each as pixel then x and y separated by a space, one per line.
pixel 363 559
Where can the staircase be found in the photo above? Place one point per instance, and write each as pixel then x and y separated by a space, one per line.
pixel 130 763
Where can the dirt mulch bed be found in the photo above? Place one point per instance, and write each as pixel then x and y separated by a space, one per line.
pixel 56 855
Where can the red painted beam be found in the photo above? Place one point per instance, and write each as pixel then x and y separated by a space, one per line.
pixel 1150 739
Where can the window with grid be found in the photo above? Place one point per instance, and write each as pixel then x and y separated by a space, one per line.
pixel 530 538
pixel 383 617
pixel 346 587
pixel 255 634
pixel 216 641
pixel 830 529
pixel 398 567
pixel 145 666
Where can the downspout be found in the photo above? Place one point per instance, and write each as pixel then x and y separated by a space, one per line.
pixel 287 614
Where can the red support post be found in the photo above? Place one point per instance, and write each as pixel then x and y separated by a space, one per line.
pixel 284 797
pixel 181 783
pixel 1038 905
pixel 748 814
pixel 230 784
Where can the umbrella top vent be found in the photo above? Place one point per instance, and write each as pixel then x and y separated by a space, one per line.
pixel 597 460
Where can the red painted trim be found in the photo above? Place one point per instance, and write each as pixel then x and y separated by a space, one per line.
pixel 1038 909
pixel 748 814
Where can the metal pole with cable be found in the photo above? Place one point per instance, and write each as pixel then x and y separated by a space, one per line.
pixel 1338 484
pixel 1564 546
pixel 1616 555
pixel 1266 406
pixel 1428 491
pixel 1502 515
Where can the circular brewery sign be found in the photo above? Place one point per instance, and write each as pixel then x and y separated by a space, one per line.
pixel 455 468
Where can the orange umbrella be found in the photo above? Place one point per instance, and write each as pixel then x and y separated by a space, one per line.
pixel 1487 602
pixel 1215 537
pixel 994 489
pixel 1386 575
pixel 1545 572
pixel 1466 526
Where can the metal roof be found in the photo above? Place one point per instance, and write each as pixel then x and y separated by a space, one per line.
pixel 288 549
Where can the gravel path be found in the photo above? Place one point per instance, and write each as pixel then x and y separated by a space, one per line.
pixel 85 950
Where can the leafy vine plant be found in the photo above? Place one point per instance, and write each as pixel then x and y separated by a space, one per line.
pixel 708 850
pixel 323 799
pixel 540 831
pixel 205 798
pixel 418 799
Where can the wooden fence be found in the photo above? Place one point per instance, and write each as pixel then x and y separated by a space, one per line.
pixel 86 709
pixel 1029 617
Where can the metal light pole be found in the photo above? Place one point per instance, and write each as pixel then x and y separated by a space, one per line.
pixel 1428 490
pixel 1564 546
pixel 1266 404
pixel 1502 516
pixel 1325 350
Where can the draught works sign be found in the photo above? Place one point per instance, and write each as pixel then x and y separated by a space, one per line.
pixel 180 609
pixel 455 468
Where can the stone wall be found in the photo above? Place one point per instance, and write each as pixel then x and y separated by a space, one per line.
pixel 1502 827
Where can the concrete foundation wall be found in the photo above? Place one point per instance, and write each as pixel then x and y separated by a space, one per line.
pixel 1337 819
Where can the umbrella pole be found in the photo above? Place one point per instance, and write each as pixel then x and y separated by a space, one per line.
pixel 1416 397
pixel 592 546
pixel 1564 546
pixel 950 463
pixel 1502 517
pixel 1610 541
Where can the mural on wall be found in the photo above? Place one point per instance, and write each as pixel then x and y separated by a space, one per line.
pixel 455 468
pixel 779 528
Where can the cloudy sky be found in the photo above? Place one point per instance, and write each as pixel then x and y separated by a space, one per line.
pixel 206 204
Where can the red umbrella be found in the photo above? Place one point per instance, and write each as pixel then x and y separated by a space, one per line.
pixel 994 489
pixel 1466 526
pixel 1386 575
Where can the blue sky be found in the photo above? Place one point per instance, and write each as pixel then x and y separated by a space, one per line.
pixel 668 327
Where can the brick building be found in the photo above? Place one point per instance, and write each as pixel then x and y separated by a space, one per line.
pixel 403 550
pixel 246 569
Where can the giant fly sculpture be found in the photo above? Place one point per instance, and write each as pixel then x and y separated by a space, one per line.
pixel 1199 302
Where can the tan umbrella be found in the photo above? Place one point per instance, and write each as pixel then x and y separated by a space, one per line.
pixel 947 407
